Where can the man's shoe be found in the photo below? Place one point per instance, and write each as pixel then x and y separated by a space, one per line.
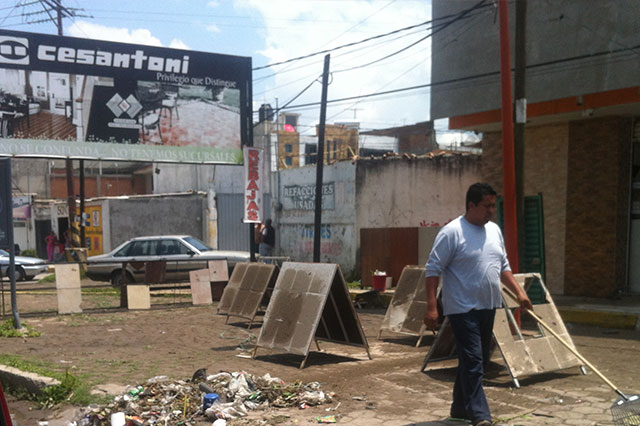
pixel 483 423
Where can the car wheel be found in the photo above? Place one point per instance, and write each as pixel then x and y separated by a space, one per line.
pixel 20 275
pixel 116 278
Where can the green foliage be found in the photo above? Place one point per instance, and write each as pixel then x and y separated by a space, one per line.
pixel 29 253
pixel 8 329
pixel 51 278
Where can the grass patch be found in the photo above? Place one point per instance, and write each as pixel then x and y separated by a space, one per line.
pixel 73 389
pixel 8 329
pixel 51 278
pixel 354 284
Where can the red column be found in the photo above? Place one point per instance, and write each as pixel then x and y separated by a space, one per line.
pixel 508 151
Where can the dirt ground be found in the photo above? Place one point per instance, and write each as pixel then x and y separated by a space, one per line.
pixel 113 346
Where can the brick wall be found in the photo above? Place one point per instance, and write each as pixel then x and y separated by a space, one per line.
pixel 544 172
pixel 597 206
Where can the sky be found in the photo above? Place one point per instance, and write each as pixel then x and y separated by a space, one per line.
pixel 271 31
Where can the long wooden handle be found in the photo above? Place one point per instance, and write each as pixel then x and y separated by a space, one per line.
pixel 568 346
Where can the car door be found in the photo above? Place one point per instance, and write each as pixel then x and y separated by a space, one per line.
pixel 139 252
pixel 169 250
pixel 189 257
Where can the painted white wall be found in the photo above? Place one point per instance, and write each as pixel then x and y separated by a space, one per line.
pixel 296 226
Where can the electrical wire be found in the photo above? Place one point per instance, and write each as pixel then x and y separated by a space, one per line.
pixel 325 51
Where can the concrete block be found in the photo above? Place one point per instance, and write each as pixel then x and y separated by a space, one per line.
pixel 69 300
pixel 67 276
pixel 200 287
pixel 138 297
pixel 30 382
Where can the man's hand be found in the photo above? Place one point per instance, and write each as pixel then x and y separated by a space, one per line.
pixel 431 318
pixel 524 301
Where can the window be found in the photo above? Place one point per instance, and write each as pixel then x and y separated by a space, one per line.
pixel 137 249
pixel 288 161
pixel 288 147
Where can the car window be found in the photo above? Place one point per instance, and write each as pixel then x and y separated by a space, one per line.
pixel 138 248
pixel 123 251
pixel 171 247
pixel 197 244
pixel 3 253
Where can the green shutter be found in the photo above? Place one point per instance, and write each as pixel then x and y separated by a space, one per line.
pixel 533 256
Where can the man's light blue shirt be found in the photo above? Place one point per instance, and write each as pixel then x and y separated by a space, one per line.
pixel 470 259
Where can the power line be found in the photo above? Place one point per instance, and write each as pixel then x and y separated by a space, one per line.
pixel 468 78
pixel 325 51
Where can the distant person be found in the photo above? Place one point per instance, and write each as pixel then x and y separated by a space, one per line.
pixel 268 242
pixel 470 256
pixel 51 240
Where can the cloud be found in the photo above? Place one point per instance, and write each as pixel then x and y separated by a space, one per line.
pixel 213 28
pixel 298 28
pixel 213 4
pixel 178 44
pixel 86 29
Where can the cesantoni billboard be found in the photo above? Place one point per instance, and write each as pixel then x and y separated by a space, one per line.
pixel 64 97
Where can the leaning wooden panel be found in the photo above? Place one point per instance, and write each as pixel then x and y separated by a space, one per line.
pixel 246 289
pixel 310 301
pixel 530 355
pixel 408 305
pixel 232 287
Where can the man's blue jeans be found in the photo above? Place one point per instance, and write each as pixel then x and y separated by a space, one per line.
pixel 473 333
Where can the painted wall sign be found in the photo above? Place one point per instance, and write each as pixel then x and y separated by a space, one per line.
pixel 302 197
pixel 253 185
pixel 117 101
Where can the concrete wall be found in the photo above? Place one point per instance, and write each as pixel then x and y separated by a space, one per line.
pixel 545 170
pixel 137 217
pixel 556 29
pixel 419 192
pixel 295 231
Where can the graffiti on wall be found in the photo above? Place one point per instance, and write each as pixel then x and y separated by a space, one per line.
pixel 303 197
pixel 431 224
pixel 329 245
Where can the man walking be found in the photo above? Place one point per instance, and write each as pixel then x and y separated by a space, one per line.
pixel 470 256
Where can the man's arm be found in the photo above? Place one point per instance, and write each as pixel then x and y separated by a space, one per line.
pixel 510 282
pixel 431 317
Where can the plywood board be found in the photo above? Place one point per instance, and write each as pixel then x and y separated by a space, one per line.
pixel 310 300
pixel 154 272
pixel 138 296
pixel 248 286
pixel 218 270
pixel 200 287
pixel 523 356
pixel 406 311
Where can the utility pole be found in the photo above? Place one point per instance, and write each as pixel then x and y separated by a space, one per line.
pixel 317 222
pixel 521 118
pixel 509 187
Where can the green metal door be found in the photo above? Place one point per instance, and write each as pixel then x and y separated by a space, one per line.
pixel 533 258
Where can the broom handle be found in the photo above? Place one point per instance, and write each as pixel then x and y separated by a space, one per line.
pixel 568 346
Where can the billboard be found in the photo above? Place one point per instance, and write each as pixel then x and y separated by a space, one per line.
pixel 64 97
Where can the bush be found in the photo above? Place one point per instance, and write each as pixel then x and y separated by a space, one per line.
pixel 29 253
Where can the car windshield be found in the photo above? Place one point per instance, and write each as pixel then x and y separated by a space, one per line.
pixel 3 253
pixel 197 244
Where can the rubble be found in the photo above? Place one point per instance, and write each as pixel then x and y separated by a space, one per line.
pixel 165 402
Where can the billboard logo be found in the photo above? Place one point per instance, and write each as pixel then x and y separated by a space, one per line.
pixel 14 50
pixel 119 106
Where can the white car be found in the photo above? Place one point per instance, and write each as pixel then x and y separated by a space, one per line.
pixel 182 253
pixel 26 267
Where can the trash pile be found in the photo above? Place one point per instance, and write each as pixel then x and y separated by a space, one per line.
pixel 223 396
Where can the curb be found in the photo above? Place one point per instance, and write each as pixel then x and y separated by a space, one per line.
pixel 31 382
pixel 606 319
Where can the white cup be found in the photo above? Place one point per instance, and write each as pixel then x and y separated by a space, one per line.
pixel 117 419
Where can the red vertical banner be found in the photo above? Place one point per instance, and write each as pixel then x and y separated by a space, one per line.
pixel 253 185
